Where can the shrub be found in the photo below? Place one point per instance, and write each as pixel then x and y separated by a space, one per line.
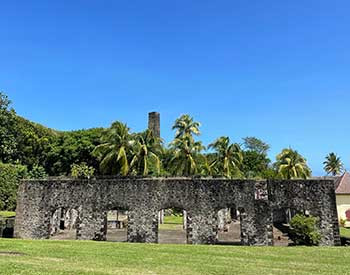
pixel 342 222
pixel 304 230
pixel 10 176
pixel 82 171
pixel 38 172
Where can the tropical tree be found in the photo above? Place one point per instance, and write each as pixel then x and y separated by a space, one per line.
pixel 333 165
pixel 186 126
pixel 8 144
pixel 228 157
pixel 291 165
pixel 256 145
pixel 186 156
pixel 115 149
pixel 147 150
pixel 186 152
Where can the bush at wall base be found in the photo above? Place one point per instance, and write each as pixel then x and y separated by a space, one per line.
pixel 303 230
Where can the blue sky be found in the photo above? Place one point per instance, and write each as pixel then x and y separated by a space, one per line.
pixel 277 70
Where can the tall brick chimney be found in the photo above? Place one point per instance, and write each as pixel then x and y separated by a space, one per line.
pixel 154 123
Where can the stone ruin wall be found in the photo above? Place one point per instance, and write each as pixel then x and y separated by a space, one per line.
pixel 201 198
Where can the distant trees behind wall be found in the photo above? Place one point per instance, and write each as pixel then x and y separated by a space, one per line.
pixel 43 152
pixel 116 150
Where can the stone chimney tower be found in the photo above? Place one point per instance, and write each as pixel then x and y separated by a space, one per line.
pixel 154 123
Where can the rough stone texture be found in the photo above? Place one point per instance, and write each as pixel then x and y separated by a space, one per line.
pixel 154 123
pixel 201 198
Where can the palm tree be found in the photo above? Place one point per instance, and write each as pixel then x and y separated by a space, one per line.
pixel 186 156
pixel 185 126
pixel 186 152
pixel 115 149
pixel 291 165
pixel 333 164
pixel 146 152
pixel 228 157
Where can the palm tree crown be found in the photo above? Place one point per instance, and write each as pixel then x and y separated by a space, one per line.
pixel 185 125
pixel 228 157
pixel 333 164
pixel 147 150
pixel 114 150
pixel 185 150
pixel 291 165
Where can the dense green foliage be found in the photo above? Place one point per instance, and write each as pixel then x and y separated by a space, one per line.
pixel 8 145
pixel 10 175
pixel 82 171
pixel 228 158
pixel 304 230
pixel 291 165
pixel 88 257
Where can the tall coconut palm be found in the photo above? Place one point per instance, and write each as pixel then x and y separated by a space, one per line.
pixel 115 149
pixel 291 165
pixel 333 165
pixel 146 153
pixel 228 157
pixel 186 126
pixel 186 156
pixel 186 152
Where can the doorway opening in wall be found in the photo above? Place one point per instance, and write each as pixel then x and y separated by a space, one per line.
pixel 229 226
pixel 64 223
pixel 281 227
pixel 172 226
pixel 117 225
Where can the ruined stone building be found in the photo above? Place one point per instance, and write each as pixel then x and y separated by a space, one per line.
pixel 257 201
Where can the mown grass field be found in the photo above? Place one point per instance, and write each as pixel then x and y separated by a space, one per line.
pixel 172 223
pixel 344 232
pixel 87 257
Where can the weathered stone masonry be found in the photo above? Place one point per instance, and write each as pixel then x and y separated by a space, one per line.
pixel 201 198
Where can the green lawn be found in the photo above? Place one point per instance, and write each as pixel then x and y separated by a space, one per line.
pixel 87 257
pixel 171 223
pixel 344 232
pixel 6 214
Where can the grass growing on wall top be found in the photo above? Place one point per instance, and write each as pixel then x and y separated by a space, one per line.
pixel 87 257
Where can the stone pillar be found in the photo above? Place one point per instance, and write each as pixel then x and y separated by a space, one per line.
pixel 257 225
pixel 154 123
pixel 224 218
pixel 32 214
pixel 161 216
pixel 328 224
pixel 143 226
pixel 202 227
pixel 93 225
pixel 184 220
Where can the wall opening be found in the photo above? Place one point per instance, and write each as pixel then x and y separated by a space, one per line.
pixel 281 227
pixel 174 227
pixel 229 226
pixel 117 225
pixel 64 223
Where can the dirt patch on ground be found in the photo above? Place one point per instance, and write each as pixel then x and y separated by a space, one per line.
pixel 174 234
